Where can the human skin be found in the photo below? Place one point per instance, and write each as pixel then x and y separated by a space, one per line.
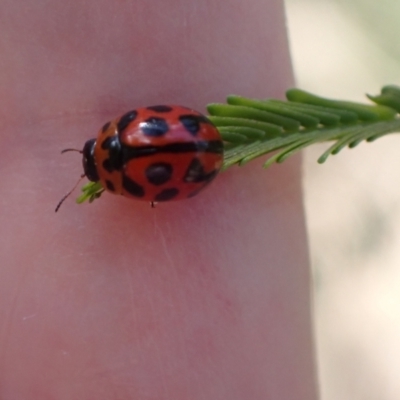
pixel 206 298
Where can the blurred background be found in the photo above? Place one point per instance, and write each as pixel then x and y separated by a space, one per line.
pixel 343 49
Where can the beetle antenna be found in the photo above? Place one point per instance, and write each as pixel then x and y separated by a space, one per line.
pixel 65 150
pixel 67 195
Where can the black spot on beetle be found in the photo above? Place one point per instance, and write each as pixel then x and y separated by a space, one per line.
pixel 191 123
pixel 107 165
pixel 126 119
pixel 113 147
pixel 167 194
pixel 132 187
pixel 195 172
pixel 159 173
pixel 154 127
pixel 110 186
pixel 105 144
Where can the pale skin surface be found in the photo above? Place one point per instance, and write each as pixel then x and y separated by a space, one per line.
pixel 205 298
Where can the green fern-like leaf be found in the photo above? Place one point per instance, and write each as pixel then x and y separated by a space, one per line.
pixel 286 127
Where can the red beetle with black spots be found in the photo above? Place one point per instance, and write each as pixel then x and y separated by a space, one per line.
pixel 155 154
